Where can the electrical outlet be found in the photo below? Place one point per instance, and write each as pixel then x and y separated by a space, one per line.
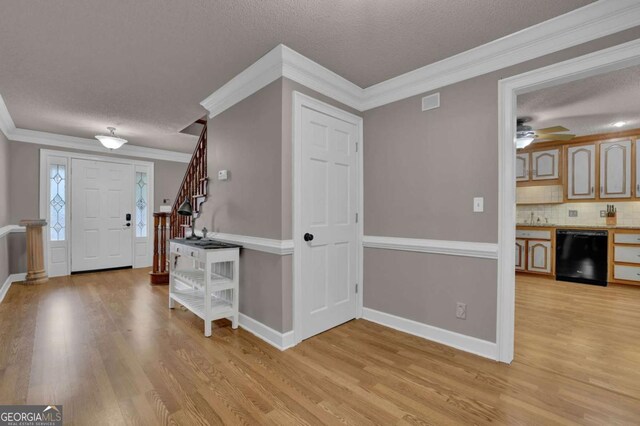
pixel 461 310
pixel 573 213
pixel 603 213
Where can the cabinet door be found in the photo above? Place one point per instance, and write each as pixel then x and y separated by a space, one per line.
pixel 581 171
pixel 522 167
pixel 545 164
pixel 615 169
pixel 521 255
pixel 539 259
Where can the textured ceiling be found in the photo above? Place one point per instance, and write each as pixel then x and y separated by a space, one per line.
pixel 77 66
pixel 588 106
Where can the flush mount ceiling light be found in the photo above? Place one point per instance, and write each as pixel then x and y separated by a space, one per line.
pixel 111 141
pixel 619 123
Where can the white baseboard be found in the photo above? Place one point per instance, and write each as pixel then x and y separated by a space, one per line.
pixel 276 339
pixel 456 340
pixel 10 280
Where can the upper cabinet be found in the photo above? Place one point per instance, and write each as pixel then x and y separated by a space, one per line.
pixel 615 169
pixel 545 164
pixel 522 167
pixel 538 165
pixel 581 172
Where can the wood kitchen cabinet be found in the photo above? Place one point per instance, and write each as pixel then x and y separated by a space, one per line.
pixel 581 172
pixel 538 165
pixel 539 256
pixel 534 250
pixel 615 169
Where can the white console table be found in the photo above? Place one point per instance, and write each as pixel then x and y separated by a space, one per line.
pixel 204 277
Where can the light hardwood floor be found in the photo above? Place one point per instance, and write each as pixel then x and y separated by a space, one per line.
pixel 108 348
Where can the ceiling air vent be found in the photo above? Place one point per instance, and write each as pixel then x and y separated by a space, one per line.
pixel 431 101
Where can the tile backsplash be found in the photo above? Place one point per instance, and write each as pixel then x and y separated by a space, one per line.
pixel 628 213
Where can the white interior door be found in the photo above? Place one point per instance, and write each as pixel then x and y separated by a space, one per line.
pixel 101 198
pixel 329 205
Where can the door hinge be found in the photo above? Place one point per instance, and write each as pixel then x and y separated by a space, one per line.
pixel 356 288
pixel 356 217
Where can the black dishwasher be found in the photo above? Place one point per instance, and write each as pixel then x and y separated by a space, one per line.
pixel 581 256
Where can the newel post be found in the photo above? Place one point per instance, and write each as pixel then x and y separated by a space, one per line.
pixel 159 273
pixel 36 273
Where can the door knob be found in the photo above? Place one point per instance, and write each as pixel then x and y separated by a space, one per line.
pixel 308 237
pixel 127 224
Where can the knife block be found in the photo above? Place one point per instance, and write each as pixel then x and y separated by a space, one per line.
pixel 612 221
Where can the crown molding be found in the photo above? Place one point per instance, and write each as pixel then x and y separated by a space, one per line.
pixel 579 26
pixel 81 144
pixel 283 61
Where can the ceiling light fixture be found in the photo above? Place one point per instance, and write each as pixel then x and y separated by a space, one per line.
pixel 619 123
pixel 524 142
pixel 111 141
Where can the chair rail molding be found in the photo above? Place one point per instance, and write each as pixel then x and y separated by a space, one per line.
pixel 452 248
pixel 266 245
pixel 12 229
pixel 579 26
pixel 14 134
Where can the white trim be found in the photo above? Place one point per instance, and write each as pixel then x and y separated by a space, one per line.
pixel 71 142
pixel 453 248
pixel 579 26
pixel 266 245
pixel 463 342
pixel 276 339
pixel 282 61
pixel 614 58
pixel 67 156
pixel 10 280
pixel 299 101
pixel 11 229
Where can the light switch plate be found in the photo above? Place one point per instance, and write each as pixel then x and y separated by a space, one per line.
pixel 223 175
pixel 478 204
pixel 573 213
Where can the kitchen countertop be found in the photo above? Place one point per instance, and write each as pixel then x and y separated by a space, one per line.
pixel 550 225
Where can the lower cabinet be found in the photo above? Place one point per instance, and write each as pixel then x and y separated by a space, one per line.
pixel 539 256
pixel 534 251
pixel 626 257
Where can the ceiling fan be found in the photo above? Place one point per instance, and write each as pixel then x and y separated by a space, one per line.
pixel 526 134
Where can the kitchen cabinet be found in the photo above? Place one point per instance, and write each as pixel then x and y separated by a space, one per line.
pixel 544 164
pixel 626 257
pixel 539 256
pixel 521 255
pixel 522 167
pixel 615 169
pixel 581 172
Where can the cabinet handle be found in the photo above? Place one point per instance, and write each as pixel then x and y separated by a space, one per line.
pixel 592 189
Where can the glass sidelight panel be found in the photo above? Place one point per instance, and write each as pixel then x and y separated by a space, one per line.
pixel 142 204
pixel 57 202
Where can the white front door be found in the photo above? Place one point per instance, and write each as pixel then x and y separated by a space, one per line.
pixel 329 205
pixel 101 199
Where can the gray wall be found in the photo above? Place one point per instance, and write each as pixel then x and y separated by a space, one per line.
pixel 421 172
pixel 4 206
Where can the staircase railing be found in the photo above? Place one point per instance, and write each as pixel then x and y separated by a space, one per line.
pixel 194 186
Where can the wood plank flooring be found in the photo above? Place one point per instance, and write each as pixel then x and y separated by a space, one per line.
pixel 107 347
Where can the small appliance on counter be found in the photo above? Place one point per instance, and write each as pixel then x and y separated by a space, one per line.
pixel 581 256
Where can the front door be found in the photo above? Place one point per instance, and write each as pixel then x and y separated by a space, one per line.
pixel 101 199
pixel 329 207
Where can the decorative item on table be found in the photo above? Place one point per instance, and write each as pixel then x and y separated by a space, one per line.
pixel 186 209
pixel 611 215
pixel 205 231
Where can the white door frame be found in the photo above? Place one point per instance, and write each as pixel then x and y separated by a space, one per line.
pixel 65 157
pixel 299 101
pixel 611 59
